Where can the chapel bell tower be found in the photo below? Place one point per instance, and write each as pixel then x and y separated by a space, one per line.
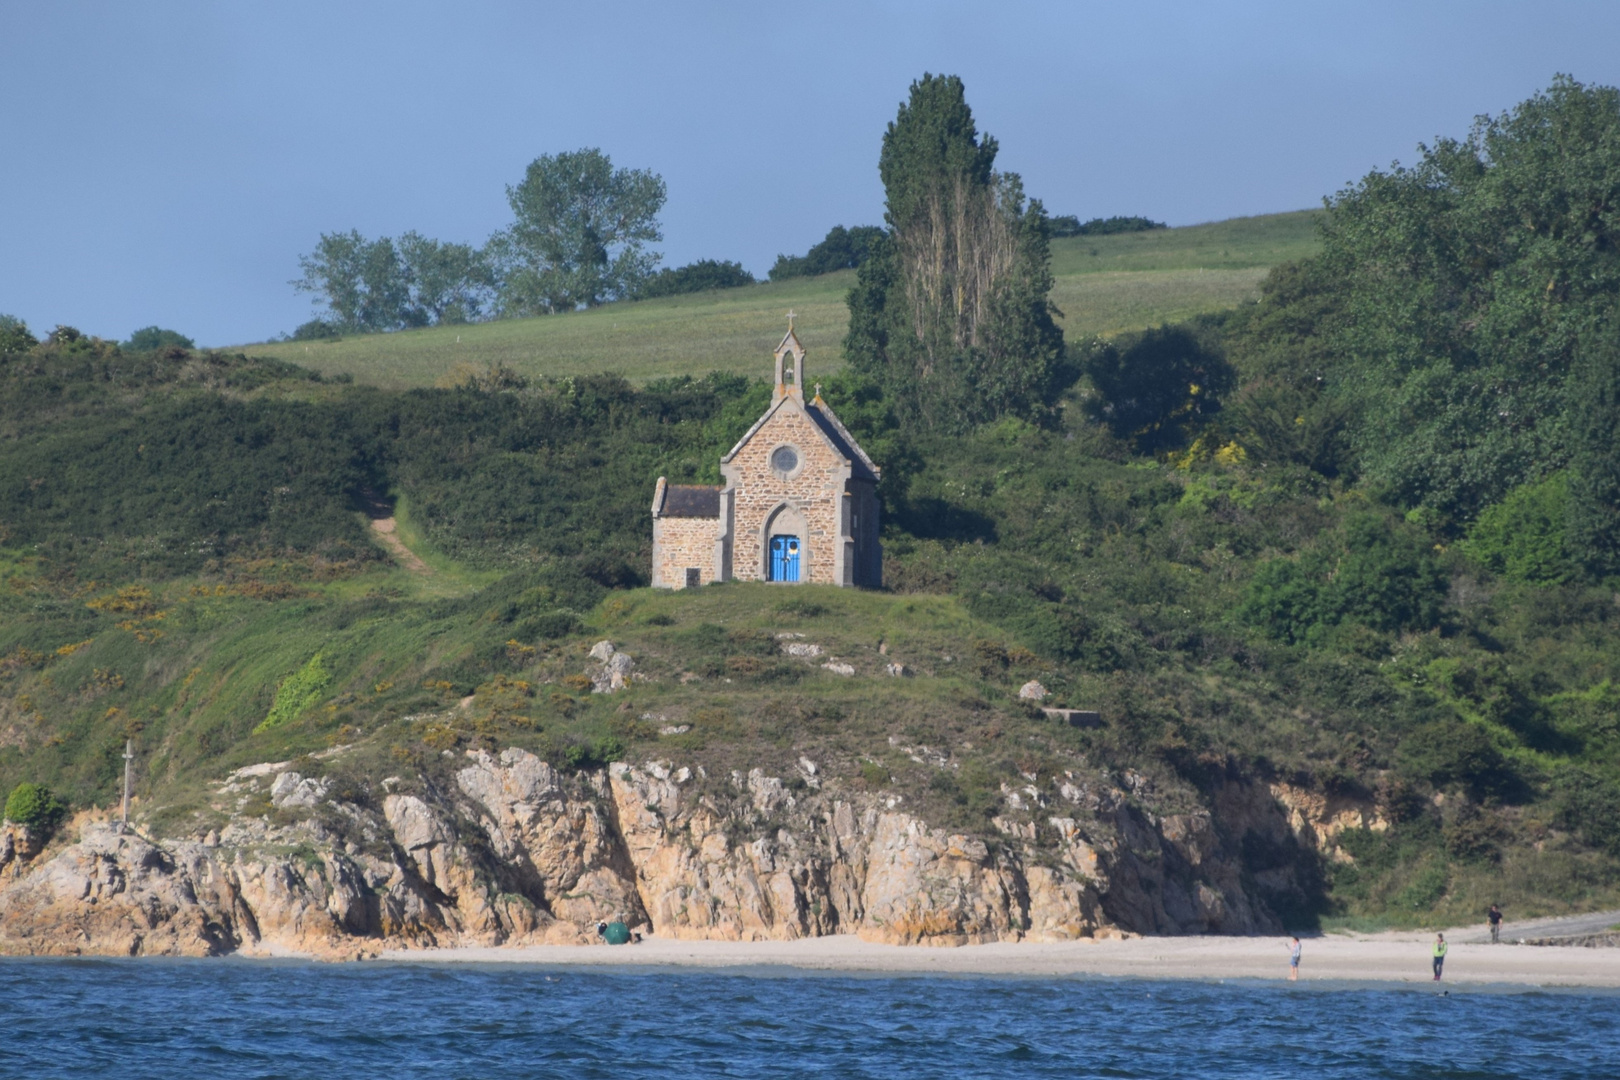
pixel 790 364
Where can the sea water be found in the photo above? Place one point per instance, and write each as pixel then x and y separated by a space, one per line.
pixel 232 1018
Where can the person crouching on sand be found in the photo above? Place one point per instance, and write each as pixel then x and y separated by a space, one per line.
pixel 1440 947
pixel 1293 959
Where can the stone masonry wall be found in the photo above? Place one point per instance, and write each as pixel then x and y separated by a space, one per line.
pixel 867 568
pixel 816 491
pixel 679 543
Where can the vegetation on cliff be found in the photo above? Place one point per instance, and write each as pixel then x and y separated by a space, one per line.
pixel 1227 536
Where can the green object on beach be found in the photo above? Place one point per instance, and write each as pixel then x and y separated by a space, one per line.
pixel 617 933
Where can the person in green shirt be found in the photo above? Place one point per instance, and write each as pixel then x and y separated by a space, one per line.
pixel 1440 947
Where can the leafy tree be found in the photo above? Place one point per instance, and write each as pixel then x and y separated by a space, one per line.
pixel 951 309
pixel 363 283
pixel 149 338
pixel 1069 225
pixel 841 249
pixel 1280 352
pixel 580 233
pixel 1155 387
pixel 1593 535
pixel 369 286
pixel 701 276
pixel 14 335
pixel 446 282
pixel 1283 423
pixel 1468 282
pixel 1287 336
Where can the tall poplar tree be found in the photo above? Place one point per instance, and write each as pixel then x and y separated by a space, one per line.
pixel 951 310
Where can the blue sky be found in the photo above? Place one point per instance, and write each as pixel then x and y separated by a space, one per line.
pixel 168 162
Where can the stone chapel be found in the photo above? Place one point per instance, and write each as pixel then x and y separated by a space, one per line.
pixel 799 503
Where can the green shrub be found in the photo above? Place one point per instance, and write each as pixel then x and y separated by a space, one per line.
pixel 14 335
pixel 1474 835
pixel 582 757
pixel 1372 574
pixel 33 805
pixel 317 330
pixel 549 626
pixel 1588 805
pixel 1155 387
pixel 1071 225
pixel 841 249
pixel 873 774
pixel 1425 888
pixel 1522 537
pixel 701 276
pixel 149 338
pixel 296 693
pixel 1449 751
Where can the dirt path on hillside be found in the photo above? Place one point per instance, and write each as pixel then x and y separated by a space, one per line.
pixel 385 530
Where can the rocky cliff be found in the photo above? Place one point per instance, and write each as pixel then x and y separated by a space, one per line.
pixel 507 850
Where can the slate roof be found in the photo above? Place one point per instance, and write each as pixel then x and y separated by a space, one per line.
pixel 842 440
pixel 691 501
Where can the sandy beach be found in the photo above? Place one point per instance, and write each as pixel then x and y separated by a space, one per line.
pixel 1393 956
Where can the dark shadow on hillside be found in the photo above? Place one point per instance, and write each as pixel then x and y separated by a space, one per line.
pixel 936 519
pixel 373 503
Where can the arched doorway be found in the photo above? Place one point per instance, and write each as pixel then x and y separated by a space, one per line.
pixel 785 545
pixel 784 558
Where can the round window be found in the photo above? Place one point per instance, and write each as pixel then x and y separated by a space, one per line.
pixel 784 459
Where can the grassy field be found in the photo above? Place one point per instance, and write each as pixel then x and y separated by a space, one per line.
pixel 1237 244
pixel 1105 285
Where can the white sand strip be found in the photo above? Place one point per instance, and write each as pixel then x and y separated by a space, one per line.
pixel 1391 957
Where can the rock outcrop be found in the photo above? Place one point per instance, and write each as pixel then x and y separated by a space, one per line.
pixel 510 851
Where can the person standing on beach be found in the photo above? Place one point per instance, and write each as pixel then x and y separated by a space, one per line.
pixel 1495 916
pixel 1440 948
pixel 1293 960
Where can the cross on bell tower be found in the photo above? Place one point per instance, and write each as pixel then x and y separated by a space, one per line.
pixel 790 364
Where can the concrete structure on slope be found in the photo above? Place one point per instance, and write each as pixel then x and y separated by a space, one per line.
pixel 799 503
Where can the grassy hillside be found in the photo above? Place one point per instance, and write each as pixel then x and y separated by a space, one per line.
pixel 188 555
pixel 1104 285
pixel 204 578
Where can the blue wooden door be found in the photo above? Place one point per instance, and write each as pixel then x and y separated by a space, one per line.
pixel 784 558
